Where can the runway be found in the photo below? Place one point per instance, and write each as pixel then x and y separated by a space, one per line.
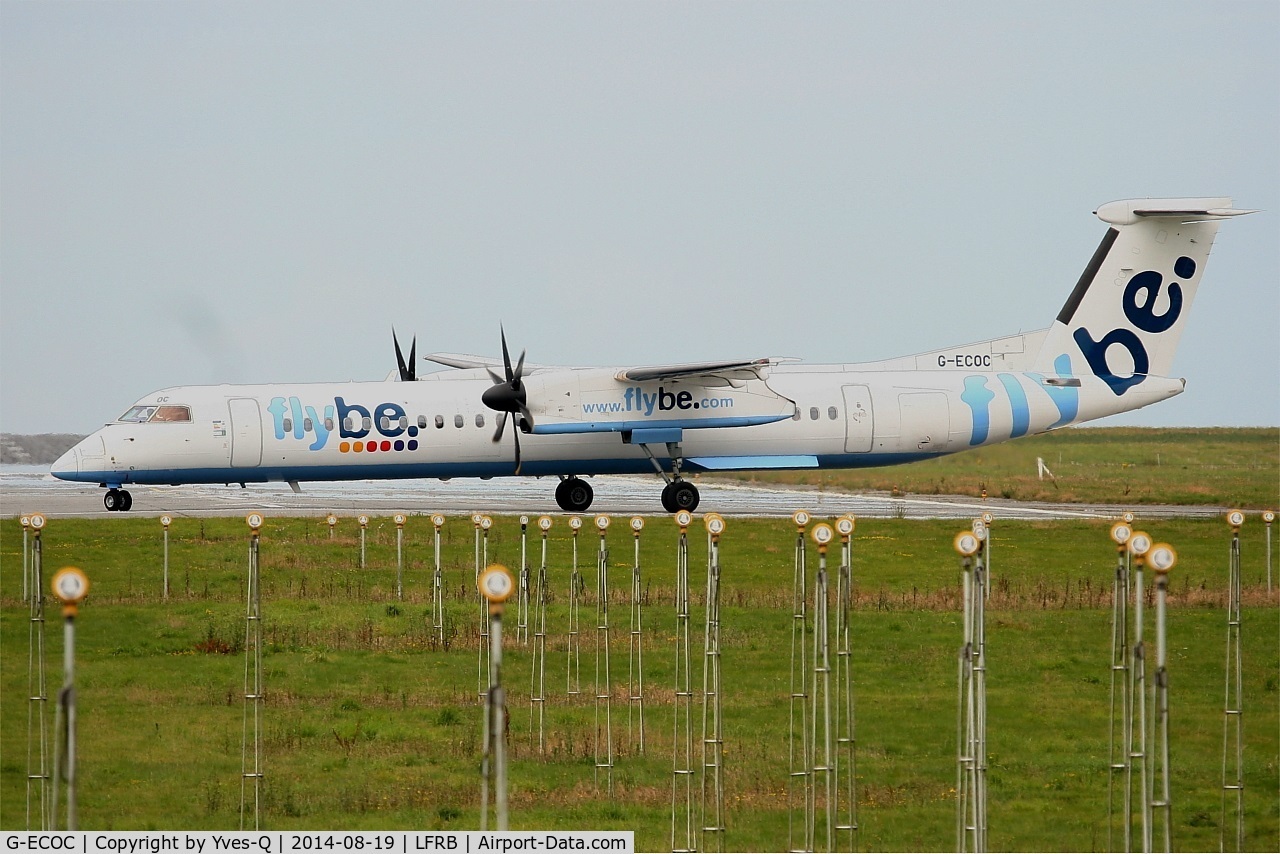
pixel 30 489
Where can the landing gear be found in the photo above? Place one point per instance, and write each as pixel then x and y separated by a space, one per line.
pixel 574 495
pixel 117 499
pixel 680 495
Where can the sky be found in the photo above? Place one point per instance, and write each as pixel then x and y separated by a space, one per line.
pixel 201 193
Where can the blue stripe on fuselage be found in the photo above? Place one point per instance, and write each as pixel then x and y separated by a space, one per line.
pixel 399 471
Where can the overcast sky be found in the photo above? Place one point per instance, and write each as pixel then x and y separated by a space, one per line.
pixel 256 192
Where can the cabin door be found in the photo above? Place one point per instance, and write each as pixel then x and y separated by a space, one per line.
pixel 859 422
pixel 246 433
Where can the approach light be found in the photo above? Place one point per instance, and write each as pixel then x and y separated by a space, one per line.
pixel 70 585
pixel 1162 557
pixel 1140 543
pixel 495 584
pixel 966 543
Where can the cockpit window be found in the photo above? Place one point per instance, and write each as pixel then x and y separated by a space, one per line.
pixel 172 413
pixel 139 414
pixel 169 413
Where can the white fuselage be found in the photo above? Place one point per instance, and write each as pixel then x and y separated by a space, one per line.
pixel 1109 350
pixel 827 416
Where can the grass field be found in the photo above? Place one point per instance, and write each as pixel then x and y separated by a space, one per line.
pixel 370 723
pixel 1129 465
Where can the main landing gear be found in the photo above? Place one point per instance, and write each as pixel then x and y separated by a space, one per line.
pixel 679 494
pixel 117 499
pixel 574 495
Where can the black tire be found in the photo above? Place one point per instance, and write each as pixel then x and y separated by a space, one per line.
pixel 667 500
pixel 574 495
pixel 112 500
pixel 126 501
pixel 684 496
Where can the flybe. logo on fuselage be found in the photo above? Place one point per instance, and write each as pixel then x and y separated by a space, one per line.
pixel 353 422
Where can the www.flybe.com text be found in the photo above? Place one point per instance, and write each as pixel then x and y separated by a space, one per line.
pixel 636 399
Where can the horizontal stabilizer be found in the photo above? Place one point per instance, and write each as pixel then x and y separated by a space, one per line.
pixel 1129 211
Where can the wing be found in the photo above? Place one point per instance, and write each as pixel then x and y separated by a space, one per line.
pixel 749 369
pixel 465 361
pixel 462 360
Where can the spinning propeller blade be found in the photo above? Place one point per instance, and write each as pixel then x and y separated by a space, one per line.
pixel 508 397
pixel 409 372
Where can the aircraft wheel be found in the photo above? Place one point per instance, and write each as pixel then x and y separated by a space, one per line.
pixel 112 500
pixel 126 501
pixel 574 495
pixel 680 495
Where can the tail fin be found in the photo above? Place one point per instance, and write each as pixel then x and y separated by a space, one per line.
pixel 1125 317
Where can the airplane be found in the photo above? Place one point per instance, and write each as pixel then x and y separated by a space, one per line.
pixel 1109 350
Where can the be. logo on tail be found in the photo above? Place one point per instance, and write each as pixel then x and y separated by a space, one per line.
pixel 1145 286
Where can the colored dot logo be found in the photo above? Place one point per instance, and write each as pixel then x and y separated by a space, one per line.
pixel 374 446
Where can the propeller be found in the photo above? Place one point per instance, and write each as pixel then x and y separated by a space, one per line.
pixel 508 397
pixel 408 373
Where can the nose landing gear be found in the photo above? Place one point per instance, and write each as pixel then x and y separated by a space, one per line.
pixel 117 499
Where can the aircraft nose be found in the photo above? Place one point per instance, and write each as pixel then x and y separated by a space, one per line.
pixel 67 466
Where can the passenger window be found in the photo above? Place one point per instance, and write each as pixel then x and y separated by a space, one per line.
pixel 833 413
pixel 367 422
pixel 479 419
pixel 384 423
pixel 813 413
pixel 328 424
pixel 457 421
pixel 308 425
pixel 404 422
pixel 173 414
pixel 795 416
pixel 422 422
pixel 439 422
pixel 288 425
